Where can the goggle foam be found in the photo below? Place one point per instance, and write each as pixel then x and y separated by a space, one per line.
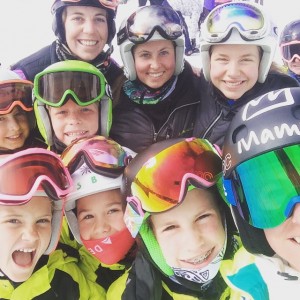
pixel 163 19
pixel 265 188
pixel 247 19
pixel 53 88
pixel 162 181
pixel 24 171
pixel 103 156
pixel 290 51
pixel 13 93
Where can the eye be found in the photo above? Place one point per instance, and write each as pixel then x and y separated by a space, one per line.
pixel 44 221
pixel 13 221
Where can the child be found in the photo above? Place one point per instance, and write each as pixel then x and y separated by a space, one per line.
pixel 185 230
pixel 71 100
pixel 237 49
pixel 160 97
pixel 33 184
pixel 261 170
pixel 17 121
pixel 94 210
pixel 290 48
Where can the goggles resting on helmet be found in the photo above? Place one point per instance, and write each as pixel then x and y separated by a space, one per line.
pixel 24 171
pixel 113 5
pixel 53 87
pixel 163 19
pixel 266 188
pixel 103 156
pixel 15 92
pixel 247 19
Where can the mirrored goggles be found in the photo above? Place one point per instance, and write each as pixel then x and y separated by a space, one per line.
pixel 266 188
pixel 112 5
pixel 103 156
pixel 247 19
pixel 163 180
pixel 54 88
pixel 290 51
pixel 163 19
pixel 14 93
pixel 24 171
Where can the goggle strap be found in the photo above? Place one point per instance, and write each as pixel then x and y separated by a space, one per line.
pixel 229 191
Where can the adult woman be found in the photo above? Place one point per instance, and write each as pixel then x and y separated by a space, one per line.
pixel 83 29
pixel 159 98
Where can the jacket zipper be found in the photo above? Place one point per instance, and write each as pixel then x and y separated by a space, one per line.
pixel 212 125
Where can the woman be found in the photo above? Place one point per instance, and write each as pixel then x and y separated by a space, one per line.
pixel 159 99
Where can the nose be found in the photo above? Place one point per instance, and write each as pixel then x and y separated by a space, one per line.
pixel 88 26
pixel 155 63
pixel 13 124
pixel 296 214
pixel 30 233
pixel 233 69
pixel 193 240
pixel 102 229
pixel 74 117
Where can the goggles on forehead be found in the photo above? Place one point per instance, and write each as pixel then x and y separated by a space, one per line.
pixel 103 156
pixel 112 3
pixel 24 171
pixel 266 188
pixel 290 51
pixel 13 93
pixel 162 181
pixel 247 19
pixel 163 19
pixel 54 88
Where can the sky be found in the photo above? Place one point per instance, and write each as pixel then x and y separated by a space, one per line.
pixel 26 25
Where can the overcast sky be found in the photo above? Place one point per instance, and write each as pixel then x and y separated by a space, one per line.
pixel 26 25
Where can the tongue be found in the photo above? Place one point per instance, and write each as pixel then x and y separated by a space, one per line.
pixel 22 258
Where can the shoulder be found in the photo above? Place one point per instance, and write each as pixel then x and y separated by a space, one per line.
pixel 280 80
pixel 117 288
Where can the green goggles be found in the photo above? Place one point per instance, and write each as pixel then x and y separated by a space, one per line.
pixel 266 188
pixel 54 88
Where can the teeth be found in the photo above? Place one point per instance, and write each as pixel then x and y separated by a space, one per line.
pixel 26 250
pixel 297 239
pixel 234 83
pixel 155 74
pixel 199 259
pixel 88 43
pixel 75 133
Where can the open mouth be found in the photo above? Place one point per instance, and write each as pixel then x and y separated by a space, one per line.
pixel 23 257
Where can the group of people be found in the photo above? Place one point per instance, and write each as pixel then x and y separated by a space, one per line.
pixel 149 181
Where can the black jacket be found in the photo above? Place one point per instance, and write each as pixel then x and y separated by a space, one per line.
pixel 137 126
pixel 214 114
pixel 38 61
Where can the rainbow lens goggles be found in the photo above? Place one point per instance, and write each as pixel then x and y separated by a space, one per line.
pixel 246 18
pixel 266 188
pixel 13 93
pixel 103 156
pixel 290 51
pixel 163 19
pixel 53 87
pixel 162 181
pixel 24 171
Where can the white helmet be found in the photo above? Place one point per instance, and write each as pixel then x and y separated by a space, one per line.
pixel 150 23
pixel 239 23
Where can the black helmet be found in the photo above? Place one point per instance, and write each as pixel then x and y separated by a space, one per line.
pixel 268 123
pixel 290 33
pixel 57 10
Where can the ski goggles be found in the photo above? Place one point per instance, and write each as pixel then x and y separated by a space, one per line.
pixel 14 93
pixel 54 88
pixel 163 19
pixel 266 188
pixel 290 51
pixel 103 156
pixel 25 171
pixel 112 5
pixel 246 18
pixel 162 182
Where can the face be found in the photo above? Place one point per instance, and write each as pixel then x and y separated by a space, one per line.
pixel 14 129
pixel 285 239
pixel 154 62
pixel 294 65
pixel 86 30
pixel 25 235
pixel 72 121
pixel 195 225
pixel 100 215
pixel 234 69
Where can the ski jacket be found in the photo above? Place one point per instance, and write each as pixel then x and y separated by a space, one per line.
pixel 214 113
pixel 137 126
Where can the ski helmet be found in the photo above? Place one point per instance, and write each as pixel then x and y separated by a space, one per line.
pixel 150 23
pixel 58 8
pixel 258 164
pixel 89 75
pixel 239 23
